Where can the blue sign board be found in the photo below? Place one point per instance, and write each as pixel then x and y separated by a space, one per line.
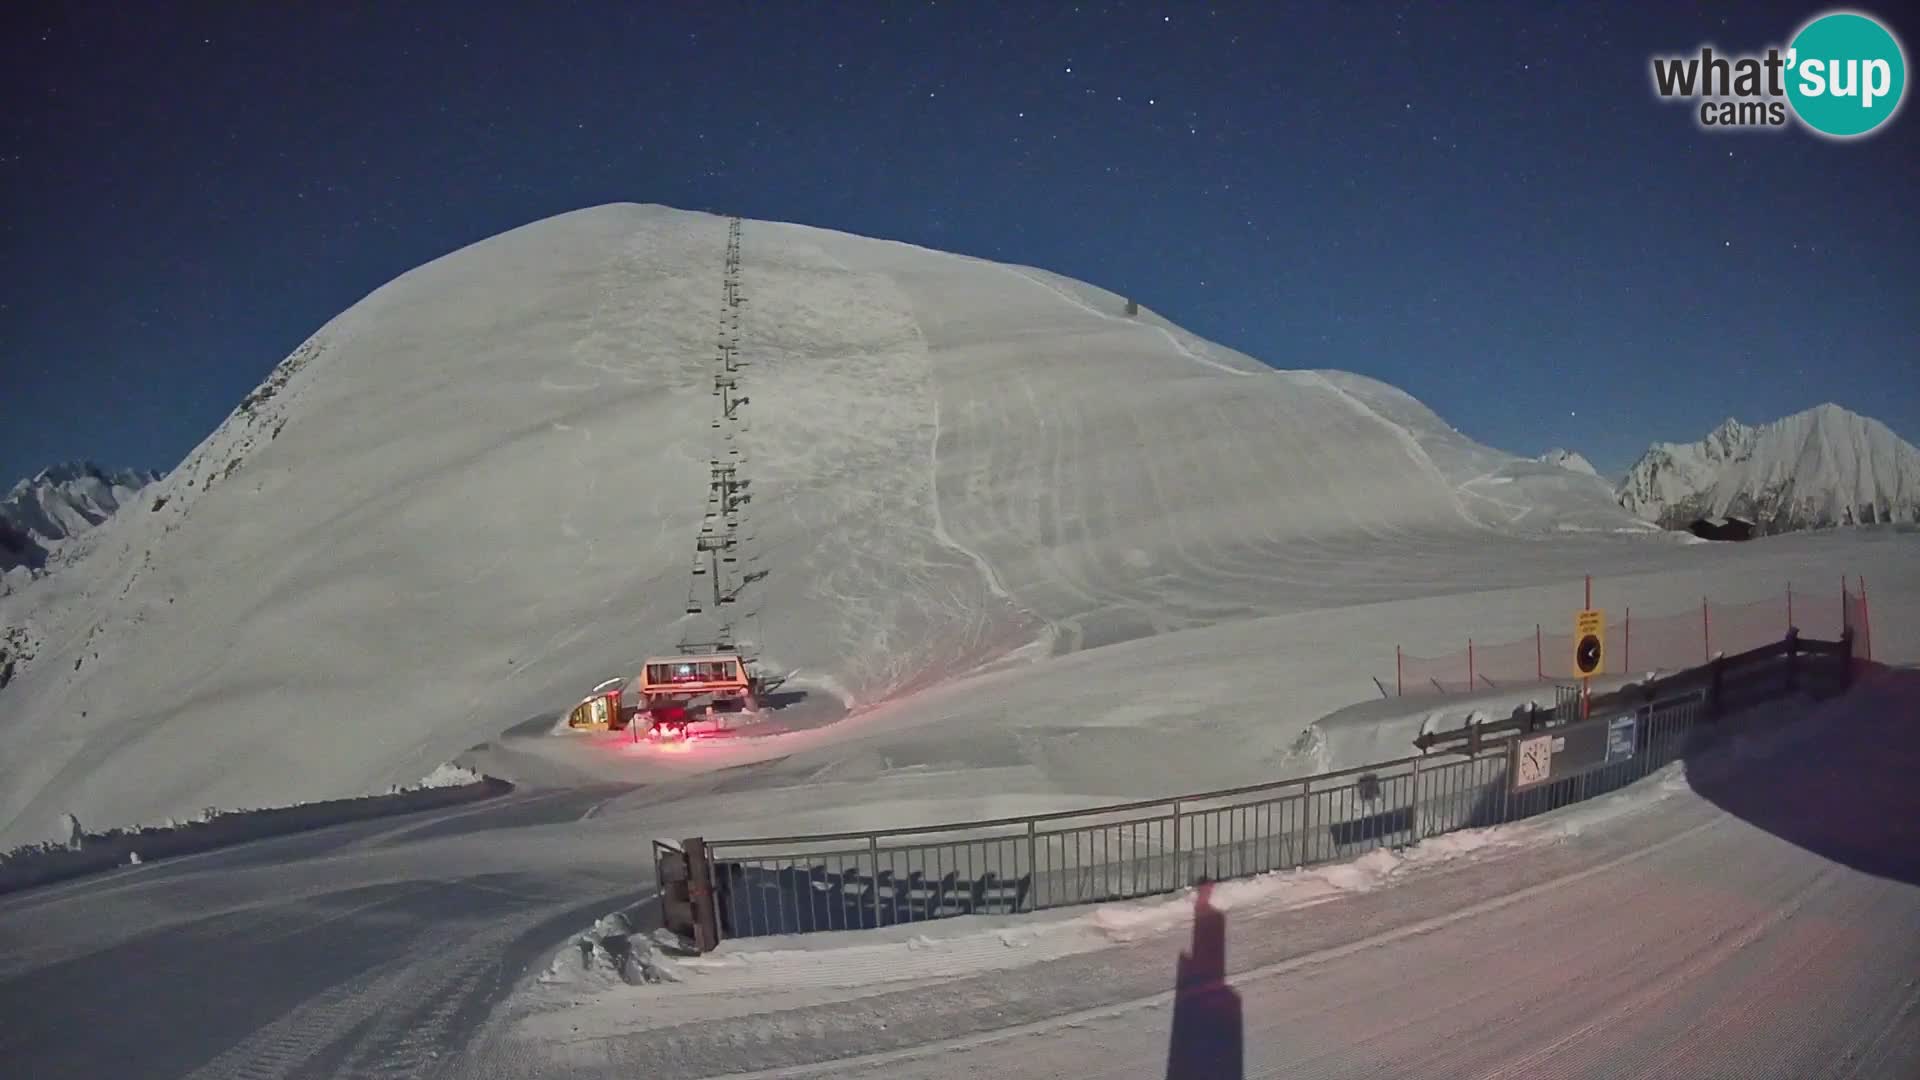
pixel 1620 732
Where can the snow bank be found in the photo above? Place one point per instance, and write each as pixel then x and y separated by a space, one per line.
pixel 610 953
pixel 85 852
pixel 443 776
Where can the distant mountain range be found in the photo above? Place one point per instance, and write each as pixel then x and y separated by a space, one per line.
pixel 1815 469
pixel 59 503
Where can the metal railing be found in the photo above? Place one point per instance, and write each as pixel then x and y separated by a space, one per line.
pixel 884 877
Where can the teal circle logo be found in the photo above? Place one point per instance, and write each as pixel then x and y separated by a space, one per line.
pixel 1846 74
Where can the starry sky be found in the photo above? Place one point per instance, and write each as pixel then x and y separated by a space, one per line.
pixel 1482 204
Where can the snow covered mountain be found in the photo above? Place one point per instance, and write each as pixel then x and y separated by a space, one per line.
pixel 59 503
pixel 476 493
pixel 1570 460
pixel 1815 469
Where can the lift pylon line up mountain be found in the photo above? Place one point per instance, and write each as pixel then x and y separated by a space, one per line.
pixel 705 679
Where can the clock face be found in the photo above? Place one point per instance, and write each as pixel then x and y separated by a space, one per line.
pixel 1535 759
pixel 1587 657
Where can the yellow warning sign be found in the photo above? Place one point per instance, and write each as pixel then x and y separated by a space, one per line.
pixel 1590 643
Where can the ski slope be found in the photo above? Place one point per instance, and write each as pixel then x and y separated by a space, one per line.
pixel 474 494
pixel 1236 703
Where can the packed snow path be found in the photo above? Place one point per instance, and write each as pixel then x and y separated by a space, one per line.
pixel 372 948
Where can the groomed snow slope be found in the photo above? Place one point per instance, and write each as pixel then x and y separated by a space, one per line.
pixel 474 494
pixel 1236 703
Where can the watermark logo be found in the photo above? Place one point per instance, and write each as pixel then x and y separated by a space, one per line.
pixel 1842 75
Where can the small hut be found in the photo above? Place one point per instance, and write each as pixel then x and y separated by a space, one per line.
pixel 1722 528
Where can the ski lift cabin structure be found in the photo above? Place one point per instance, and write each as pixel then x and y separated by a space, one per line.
pixel 675 691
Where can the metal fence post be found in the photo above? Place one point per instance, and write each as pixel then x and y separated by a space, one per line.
pixel 873 882
pixel 1033 865
pixel 1413 808
pixel 706 925
pixel 1306 822
pixel 661 886
pixel 1178 862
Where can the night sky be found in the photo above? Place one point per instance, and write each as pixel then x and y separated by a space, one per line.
pixel 1486 207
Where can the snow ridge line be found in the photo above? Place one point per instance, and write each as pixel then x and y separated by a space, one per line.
pixel 1413 447
pixel 1166 997
pixel 1164 332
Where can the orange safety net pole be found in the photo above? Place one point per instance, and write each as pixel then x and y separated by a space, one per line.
pixel 1706 630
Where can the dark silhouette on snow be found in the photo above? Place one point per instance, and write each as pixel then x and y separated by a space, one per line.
pixel 1848 790
pixel 1207 1028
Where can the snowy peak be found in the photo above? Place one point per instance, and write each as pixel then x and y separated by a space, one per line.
pixel 1569 460
pixel 61 502
pixel 1731 441
pixel 1822 467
